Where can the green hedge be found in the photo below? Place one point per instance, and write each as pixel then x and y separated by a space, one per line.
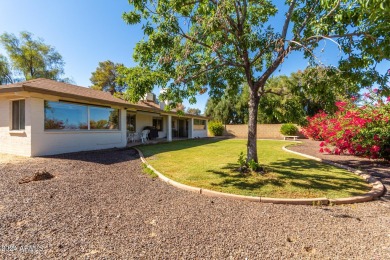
pixel 216 128
pixel 288 129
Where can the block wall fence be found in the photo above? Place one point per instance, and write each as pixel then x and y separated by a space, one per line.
pixel 264 131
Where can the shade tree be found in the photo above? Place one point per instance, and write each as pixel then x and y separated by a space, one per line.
pixel 194 46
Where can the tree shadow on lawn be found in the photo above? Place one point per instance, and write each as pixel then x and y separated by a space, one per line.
pixel 289 173
pixel 154 149
pixel 291 169
pixel 240 181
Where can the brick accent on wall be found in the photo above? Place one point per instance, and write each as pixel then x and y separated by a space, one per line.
pixel 266 131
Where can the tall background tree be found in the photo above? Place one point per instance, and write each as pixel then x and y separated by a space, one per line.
pixel 194 111
pixel 5 71
pixel 215 44
pixel 231 107
pixel 305 93
pixel 32 57
pixel 318 88
pixel 105 77
pixel 290 99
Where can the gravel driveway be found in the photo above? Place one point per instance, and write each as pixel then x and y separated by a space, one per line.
pixel 100 205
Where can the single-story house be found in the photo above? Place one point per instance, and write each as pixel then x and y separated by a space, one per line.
pixel 45 117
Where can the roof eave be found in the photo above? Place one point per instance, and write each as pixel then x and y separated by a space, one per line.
pixel 12 89
pixel 123 104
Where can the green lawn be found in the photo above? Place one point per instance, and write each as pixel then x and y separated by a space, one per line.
pixel 211 164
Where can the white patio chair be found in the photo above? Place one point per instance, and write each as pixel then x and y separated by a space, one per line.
pixel 144 135
pixel 134 136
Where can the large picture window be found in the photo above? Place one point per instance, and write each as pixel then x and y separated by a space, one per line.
pixel 70 116
pixel 103 118
pixel 65 116
pixel 18 115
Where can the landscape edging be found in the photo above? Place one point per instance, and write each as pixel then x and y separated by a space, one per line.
pixel 376 191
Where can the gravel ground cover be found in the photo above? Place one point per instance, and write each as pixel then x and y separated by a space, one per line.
pixel 101 206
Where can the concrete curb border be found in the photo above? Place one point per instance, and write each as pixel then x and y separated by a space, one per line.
pixel 376 191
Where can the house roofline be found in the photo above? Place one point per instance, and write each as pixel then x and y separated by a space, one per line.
pixel 19 87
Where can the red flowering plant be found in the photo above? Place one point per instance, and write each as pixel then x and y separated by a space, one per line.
pixel 360 130
pixel 316 126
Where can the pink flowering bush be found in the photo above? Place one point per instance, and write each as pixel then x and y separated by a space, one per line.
pixel 359 130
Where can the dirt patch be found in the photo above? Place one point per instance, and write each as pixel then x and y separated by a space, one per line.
pixel 9 158
pixel 38 176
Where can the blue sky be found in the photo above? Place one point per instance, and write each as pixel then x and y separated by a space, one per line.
pixel 86 32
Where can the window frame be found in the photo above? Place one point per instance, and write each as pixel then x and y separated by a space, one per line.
pixel 21 123
pixel 199 122
pixel 161 123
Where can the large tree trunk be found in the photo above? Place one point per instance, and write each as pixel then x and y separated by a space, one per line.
pixel 252 125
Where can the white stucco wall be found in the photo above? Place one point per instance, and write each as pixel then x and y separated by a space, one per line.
pixel 56 141
pixel 146 119
pixel 199 133
pixel 14 142
pixel 142 120
pixel 35 141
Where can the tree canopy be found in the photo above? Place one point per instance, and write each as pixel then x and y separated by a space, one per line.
pixel 290 99
pixel 194 111
pixel 280 105
pixel 105 77
pixel 210 45
pixel 5 71
pixel 305 93
pixel 32 57
pixel 230 108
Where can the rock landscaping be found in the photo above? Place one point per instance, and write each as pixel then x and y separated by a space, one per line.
pixel 101 205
